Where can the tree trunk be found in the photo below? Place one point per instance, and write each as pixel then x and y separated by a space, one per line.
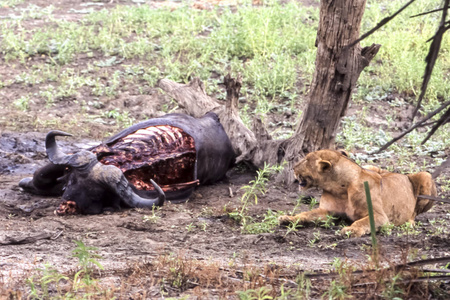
pixel 337 70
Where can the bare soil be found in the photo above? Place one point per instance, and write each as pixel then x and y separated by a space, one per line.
pixel 199 230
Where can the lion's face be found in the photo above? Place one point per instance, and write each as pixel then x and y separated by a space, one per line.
pixel 316 168
pixel 304 173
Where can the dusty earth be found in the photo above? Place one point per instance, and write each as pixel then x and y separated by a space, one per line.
pixel 31 235
pixel 200 230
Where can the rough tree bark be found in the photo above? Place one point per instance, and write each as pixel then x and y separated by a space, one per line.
pixel 337 70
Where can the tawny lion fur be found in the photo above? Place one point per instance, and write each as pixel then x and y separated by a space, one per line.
pixel 394 196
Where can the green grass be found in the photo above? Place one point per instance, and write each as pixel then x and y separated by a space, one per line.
pixel 400 62
pixel 272 46
pixel 49 283
pixel 266 45
pixel 10 3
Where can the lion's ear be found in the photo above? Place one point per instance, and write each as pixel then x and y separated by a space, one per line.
pixel 343 152
pixel 324 165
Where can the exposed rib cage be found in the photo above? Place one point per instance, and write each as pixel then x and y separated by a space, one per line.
pixel 163 153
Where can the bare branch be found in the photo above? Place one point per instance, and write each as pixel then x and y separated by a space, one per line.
pixel 441 168
pixel 428 12
pixel 434 198
pixel 419 124
pixel 421 262
pixel 445 118
pixel 407 281
pixel 27 239
pixel 379 25
pixel 432 56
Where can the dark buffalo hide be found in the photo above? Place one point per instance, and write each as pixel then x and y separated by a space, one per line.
pixel 176 151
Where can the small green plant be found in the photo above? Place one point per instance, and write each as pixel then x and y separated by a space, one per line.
pixel 267 225
pixel 348 234
pixel 204 226
pixel 251 192
pixel 49 95
pixel 23 103
pixel 263 293
pixel 297 205
pixel 153 218
pixel 190 227
pixel 336 291
pixel 392 289
pixel 315 239
pixel 439 227
pixel 258 185
pixel 292 227
pixel 329 222
pixel 303 286
pixel 386 229
pixel 313 203
pixel 408 228
pixel 178 270
pixel 340 288
pixel 87 260
pixel 46 279
pixel 122 117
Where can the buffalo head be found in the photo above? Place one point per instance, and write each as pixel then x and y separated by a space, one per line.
pixel 88 186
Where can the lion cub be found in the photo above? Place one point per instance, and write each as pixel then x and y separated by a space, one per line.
pixel 394 196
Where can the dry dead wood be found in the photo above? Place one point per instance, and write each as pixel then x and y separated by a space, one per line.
pixel 249 145
pixel 27 239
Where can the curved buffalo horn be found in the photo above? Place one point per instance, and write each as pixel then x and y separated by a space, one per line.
pixel 137 201
pixel 113 177
pixel 57 157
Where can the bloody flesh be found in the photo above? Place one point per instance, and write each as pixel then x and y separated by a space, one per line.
pixel 163 153
pixel 67 208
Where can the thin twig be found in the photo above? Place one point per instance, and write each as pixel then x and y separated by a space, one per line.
pixel 422 262
pixel 260 275
pixel 57 235
pixel 441 168
pixel 429 261
pixel 11 240
pixel 434 198
pixel 379 25
pixel 419 279
pixel 436 270
pixel 432 56
pixel 419 124
pixel 428 12
pixel 445 118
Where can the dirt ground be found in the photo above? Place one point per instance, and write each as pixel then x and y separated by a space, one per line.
pixel 31 235
pixel 201 229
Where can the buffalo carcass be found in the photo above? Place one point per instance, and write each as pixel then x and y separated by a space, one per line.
pixel 176 150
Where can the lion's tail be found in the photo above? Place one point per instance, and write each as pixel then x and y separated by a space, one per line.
pixel 423 184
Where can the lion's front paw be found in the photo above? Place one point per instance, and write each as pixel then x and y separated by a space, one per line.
pixel 285 220
pixel 353 231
